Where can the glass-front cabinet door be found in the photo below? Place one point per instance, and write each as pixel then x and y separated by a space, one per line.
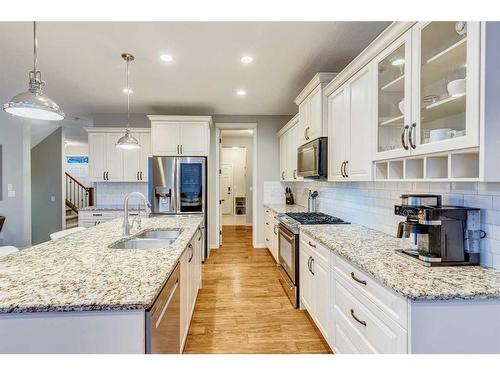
pixel 394 99
pixel 445 85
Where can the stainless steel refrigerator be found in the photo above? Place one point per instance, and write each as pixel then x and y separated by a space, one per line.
pixel 178 185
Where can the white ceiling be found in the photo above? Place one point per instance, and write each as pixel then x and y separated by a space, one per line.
pixel 85 74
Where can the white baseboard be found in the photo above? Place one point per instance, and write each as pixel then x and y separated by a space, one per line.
pixel 259 245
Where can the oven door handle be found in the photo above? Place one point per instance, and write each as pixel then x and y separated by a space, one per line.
pixel 286 235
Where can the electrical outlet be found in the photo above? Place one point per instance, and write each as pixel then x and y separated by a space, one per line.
pixel 11 193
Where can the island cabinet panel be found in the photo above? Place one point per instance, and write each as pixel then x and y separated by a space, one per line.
pixel 190 263
pixel 89 332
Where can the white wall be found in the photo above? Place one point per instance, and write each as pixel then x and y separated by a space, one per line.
pixel 15 170
pixel 372 204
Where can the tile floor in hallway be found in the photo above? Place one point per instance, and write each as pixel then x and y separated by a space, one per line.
pixel 242 307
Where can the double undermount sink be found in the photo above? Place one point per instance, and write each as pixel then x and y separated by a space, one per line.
pixel 150 239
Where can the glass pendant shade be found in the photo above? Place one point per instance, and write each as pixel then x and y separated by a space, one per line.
pixel 34 104
pixel 128 142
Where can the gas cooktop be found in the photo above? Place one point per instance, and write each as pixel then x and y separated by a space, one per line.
pixel 291 220
pixel 309 218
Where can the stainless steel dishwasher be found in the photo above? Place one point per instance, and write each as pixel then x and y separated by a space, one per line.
pixel 163 318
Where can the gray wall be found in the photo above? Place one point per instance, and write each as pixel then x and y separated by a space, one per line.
pixel 15 141
pixel 46 183
pixel 247 142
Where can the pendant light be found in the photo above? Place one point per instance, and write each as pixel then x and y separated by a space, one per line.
pixel 34 104
pixel 128 141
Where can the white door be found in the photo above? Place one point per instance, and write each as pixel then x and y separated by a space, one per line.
pixel 165 138
pixel 283 156
pixel 227 189
pixel 394 95
pixel 321 292
pixel 193 139
pixel 338 122
pixel 304 118
pixel 97 156
pixel 315 115
pixel 132 162
pixel 145 140
pixel 114 158
pixel 361 125
pixel 445 80
pixel 305 279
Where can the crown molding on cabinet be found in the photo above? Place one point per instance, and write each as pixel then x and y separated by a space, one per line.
pixel 288 125
pixel 391 33
pixel 182 118
pixel 319 78
pixel 116 130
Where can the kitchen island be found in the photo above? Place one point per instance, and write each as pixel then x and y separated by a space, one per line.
pixel 77 295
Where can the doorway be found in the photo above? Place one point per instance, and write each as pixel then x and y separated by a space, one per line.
pixel 236 165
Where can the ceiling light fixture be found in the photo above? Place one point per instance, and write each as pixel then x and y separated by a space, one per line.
pixel 241 92
pixel 246 59
pixel 33 104
pixel 128 141
pixel 165 57
pixel 398 62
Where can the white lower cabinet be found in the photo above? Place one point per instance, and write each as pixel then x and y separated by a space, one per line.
pixel 314 286
pixel 190 263
pixel 271 233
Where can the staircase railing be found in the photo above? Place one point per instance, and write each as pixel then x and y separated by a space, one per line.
pixel 78 195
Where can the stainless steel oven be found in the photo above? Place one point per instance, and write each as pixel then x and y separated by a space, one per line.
pixel 312 159
pixel 288 256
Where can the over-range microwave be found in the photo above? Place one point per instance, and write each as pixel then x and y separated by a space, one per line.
pixel 312 159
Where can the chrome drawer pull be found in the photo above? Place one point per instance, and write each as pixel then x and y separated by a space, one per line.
pixel 357 280
pixel 362 322
pixel 311 244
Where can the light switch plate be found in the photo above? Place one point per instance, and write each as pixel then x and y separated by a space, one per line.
pixel 11 193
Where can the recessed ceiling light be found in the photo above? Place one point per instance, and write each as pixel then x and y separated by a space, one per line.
pixel 166 58
pixel 246 59
pixel 399 61
pixel 241 92
pixel 127 91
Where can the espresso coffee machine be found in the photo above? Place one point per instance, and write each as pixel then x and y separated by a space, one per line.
pixel 443 235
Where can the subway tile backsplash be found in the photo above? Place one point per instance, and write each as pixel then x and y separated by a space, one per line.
pixel 372 204
pixel 114 193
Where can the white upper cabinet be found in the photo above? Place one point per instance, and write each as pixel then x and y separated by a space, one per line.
pixel 108 163
pixel 338 125
pixel 445 107
pixel 289 142
pixel 312 109
pixel 97 156
pixel 350 126
pixel 393 93
pixel 180 135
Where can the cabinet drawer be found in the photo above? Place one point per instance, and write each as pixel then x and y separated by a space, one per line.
pixel 268 238
pixel 387 300
pixel 97 215
pixel 316 248
pixel 381 335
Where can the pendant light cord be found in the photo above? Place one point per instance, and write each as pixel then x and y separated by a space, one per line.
pixel 128 96
pixel 35 45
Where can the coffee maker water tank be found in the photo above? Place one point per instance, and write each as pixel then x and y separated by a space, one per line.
pixel 473 232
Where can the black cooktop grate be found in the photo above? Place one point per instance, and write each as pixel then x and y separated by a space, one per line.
pixel 309 218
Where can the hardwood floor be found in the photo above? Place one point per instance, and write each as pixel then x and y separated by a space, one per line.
pixel 242 307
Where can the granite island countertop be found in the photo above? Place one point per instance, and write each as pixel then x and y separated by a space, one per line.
pixel 374 252
pixel 79 272
pixel 284 208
